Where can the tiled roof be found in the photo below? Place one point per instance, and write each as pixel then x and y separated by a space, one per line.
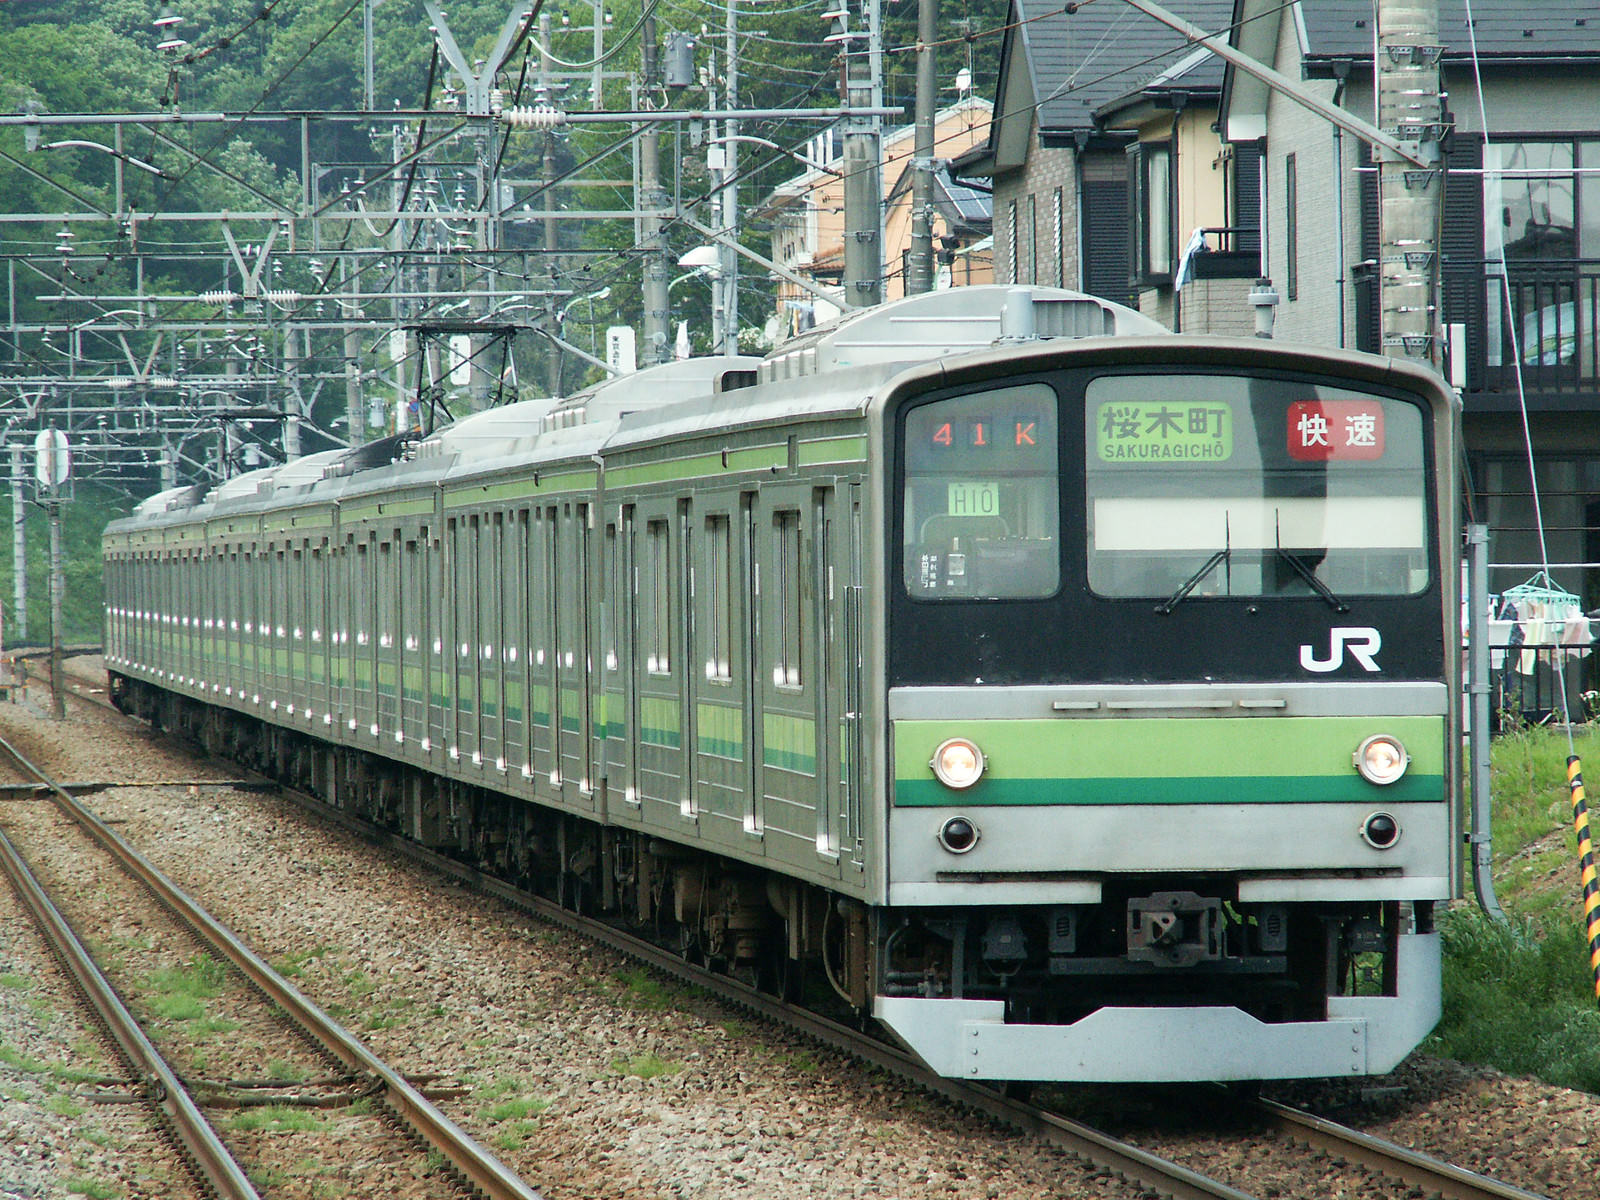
pixel 1503 28
pixel 1107 50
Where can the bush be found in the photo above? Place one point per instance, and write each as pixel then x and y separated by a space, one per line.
pixel 1519 996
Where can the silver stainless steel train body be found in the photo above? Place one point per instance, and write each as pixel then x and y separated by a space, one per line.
pixel 1075 698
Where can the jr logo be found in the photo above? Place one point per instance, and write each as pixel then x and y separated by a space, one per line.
pixel 1361 640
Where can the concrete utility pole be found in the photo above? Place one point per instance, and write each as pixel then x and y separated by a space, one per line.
pixel 728 269
pixel 657 339
pixel 549 176
pixel 1410 198
pixel 1405 143
pixel 19 541
pixel 919 271
pixel 863 158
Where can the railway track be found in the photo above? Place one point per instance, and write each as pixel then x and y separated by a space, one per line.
pixel 421 1127
pixel 1262 1119
pixel 1362 1152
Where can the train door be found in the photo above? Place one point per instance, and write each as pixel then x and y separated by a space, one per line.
pixel 295 669
pixel 278 625
pixel 621 703
pixel 491 704
pixel 543 707
pixel 683 649
pixel 514 641
pixel 437 638
pixel 784 636
pixel 349 618
pixel 573 722
pixel 837 519
pixel 318 619
pixel 385 664
pixel 408 644
pixel 465 747
pixel 719 675
pixel 660 743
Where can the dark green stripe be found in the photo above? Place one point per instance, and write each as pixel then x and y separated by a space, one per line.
pixel 1270 789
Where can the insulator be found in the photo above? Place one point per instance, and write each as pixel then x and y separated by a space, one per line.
pixel 538 116
pixel 218 297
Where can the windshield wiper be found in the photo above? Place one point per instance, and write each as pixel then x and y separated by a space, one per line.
pixel 1306 573
pixel 1193 581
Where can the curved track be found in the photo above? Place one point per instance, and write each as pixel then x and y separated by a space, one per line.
pixel 1139 1166
pixel 478 1168
pixel 1359 1150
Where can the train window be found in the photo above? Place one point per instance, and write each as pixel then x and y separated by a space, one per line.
pixel 786 528
pixel 659 563
pixel 982 510
pixel 719 597
pixel 1221 485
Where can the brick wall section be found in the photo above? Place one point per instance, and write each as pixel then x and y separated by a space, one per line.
pixel 1047 169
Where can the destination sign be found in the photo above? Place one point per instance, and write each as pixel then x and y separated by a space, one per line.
pixel 1164 432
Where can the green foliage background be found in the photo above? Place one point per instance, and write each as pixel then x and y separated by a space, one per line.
pixel 83 517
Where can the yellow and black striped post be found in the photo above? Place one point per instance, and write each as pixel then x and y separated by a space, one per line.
pixel 1591 889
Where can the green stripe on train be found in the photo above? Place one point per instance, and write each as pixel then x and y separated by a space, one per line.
pixel 789 743
pixel 1169 761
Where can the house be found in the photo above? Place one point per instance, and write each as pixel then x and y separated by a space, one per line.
pixel 1520 239
pixel 1106 165
pixel 807 212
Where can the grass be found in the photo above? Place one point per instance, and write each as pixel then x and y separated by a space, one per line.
pixel 1519 996
pixel 275 1118
pixel 181 992
pixel 92 1188
pixel 645 1066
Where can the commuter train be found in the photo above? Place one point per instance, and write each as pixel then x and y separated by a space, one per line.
pixel 1075 699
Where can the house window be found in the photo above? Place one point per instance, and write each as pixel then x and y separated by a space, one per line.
pixel 1033 239
pixel 1057 214
pixel 1011 243
pixel 1291 229
pixel 1152 212
pixel 1541 204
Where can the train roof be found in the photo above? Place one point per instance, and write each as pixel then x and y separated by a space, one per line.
pixel 938 325
pixel 833 370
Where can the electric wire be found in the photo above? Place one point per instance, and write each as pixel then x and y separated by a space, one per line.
pixel 1512 333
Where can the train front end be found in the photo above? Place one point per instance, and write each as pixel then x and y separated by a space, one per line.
pixel 1170 673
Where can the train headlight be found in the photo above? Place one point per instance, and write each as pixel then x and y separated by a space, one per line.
pixel 957 763
pixel 1381 759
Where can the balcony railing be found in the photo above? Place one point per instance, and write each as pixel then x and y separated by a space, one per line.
pixel 1550 326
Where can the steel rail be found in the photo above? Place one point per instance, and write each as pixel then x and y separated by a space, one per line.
pixel 1434 1177
pixel 1137 1166
pixel 474 1162
pixel 161 1084
pixel 1132 1163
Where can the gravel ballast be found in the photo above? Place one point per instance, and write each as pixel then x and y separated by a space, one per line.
pixel 588 1076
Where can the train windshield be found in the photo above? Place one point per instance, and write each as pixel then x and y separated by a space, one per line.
pixel 982 496
pixel 1221 485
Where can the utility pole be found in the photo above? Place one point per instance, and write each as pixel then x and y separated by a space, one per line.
pixel 728 270
pixel 651 236
pixel 919 272
pixel 863 165
pixel 546 96
pixel 19 541
pixel 1410 198
pixel 350 307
